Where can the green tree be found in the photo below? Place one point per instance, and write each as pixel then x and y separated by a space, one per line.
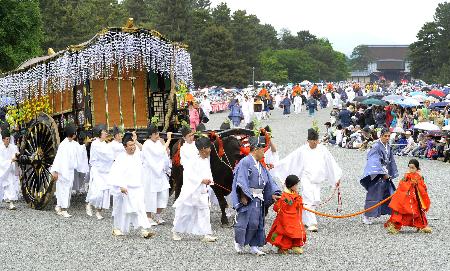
pixel 71 22
pixel 173 18
pixel 201 20
pixel 272 69
pixel 219 65
pixel 221 15
pixel 360 57
pixel 430 54
pixel 424 53
pixel 20 32
pixel 142 11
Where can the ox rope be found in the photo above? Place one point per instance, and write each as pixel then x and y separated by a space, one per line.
pixel 221 159
pixel 353 214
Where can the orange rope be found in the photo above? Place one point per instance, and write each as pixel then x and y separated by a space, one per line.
pixel 350 215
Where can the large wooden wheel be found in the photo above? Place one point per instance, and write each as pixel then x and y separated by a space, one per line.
pixel 37 152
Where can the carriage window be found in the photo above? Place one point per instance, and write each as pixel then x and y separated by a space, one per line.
pixel 158 82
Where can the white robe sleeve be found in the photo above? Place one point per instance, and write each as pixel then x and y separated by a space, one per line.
pixel 155 157
pixel 334 172
pixel 289 165
pixel 62 161
pixel 82 159
pixel 5 165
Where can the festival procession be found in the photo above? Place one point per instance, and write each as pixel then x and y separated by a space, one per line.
pixel 193 148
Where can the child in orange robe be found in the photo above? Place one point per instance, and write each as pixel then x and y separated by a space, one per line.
pixel 410 202
pixel 287 231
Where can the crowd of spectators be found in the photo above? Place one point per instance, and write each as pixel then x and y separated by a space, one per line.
pixel 357 126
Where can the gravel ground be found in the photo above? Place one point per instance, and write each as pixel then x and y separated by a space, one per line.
pixel 40 240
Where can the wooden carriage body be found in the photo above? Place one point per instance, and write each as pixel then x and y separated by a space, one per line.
pixel 122 76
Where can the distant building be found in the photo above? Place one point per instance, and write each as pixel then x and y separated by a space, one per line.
pixel 389 62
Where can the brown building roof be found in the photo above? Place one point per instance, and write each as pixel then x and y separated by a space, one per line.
pixel 380 52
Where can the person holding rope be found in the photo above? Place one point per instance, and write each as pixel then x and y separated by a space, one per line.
pixel 378 174
pixel 410 202
pixel 313 164
pixel 253 189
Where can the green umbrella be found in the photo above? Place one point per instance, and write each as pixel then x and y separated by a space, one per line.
pixel 373 101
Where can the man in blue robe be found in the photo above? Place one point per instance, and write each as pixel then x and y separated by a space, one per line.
pixel 286 103
pixel 253 191
pixel 378 174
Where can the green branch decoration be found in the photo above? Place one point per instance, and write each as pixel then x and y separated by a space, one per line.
pixel 182 91
pixel 315 126
pixel 256 127
pixel 154 120
pixel 185 124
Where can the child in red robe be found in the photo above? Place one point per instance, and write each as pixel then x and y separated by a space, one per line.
pixel 410 202
pixel 287 231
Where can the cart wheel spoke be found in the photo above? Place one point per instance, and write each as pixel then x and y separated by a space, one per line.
pixel 40 144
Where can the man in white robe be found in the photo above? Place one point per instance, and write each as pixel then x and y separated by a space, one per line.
pixel 9 179
pixel 297 104
pixel 70 157
pixel 192 214
pixel 116 144
pixel 101 159
pixel 278 98
pixel 156 163
pixel 313 164
pixel 188 151
pixel 127 188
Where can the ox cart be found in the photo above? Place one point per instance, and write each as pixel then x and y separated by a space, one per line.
pixel 122 76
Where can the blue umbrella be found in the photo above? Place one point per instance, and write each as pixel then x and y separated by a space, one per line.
pixel 440 104
pixel 393 97
pixel 415 93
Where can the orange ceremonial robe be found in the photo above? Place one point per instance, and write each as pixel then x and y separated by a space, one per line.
pixel 410 202
pixel 287 230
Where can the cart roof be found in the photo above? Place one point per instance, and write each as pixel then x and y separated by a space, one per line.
pixel 128 47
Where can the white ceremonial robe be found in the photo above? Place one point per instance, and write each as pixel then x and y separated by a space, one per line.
pixel 128 209
pixel 102 157
pixel 278 99
pixel 206 107
pixel 313 167
pixel 188 153
pixel 329 98
pixel 70 157
pixel 9 179
pixel 297 104
pixel 117 148
pixel 156 163
pixel 247 110
pixel 351 95
pixel 192 214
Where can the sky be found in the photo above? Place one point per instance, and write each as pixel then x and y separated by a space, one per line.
pixel 346 23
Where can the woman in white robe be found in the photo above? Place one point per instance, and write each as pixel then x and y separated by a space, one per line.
pixel 9 179
pixel 70 157
pixel 313 164
pixel 156 163
pixel 192 214
pixel 101 159
pixel 127 188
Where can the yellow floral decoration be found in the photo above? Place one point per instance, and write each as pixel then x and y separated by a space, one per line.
pixel 26 111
